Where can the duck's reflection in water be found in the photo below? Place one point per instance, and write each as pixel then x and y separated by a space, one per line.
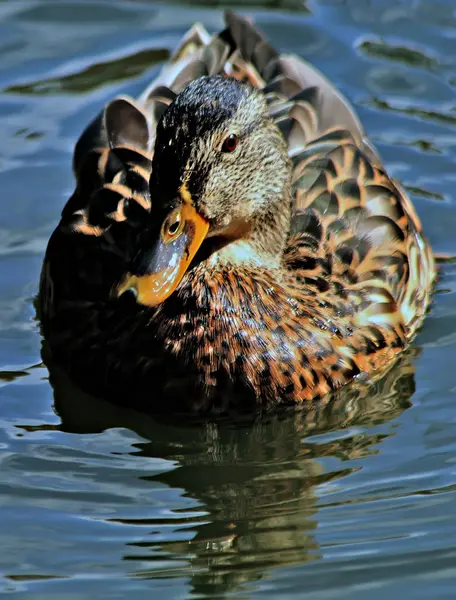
pixel 255 481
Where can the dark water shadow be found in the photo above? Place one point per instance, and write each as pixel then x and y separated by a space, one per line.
pixel 96 75
pixel 254 481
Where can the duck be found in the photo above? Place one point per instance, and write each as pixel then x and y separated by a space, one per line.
pixel 233 240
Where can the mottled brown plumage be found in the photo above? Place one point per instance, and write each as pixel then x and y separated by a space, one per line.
pixel 188 275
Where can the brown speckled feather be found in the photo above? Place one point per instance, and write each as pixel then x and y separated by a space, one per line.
pixel 357 272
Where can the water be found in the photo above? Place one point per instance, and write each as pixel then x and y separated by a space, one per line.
pixel 356 501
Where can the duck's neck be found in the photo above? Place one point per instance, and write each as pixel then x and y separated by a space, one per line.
pixel 262 246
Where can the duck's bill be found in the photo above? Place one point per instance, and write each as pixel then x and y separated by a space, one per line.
pixel 168 262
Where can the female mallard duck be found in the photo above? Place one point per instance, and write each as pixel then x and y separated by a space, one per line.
pixel 233 239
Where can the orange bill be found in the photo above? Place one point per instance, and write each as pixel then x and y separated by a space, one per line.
pixel 181 235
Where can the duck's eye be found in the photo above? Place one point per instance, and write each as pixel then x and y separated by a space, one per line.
pixel 172 226
pixel 230 143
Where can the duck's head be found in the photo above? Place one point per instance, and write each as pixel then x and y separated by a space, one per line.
pixel 219 187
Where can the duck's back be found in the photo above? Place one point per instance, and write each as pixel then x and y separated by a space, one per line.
pixel 354 228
